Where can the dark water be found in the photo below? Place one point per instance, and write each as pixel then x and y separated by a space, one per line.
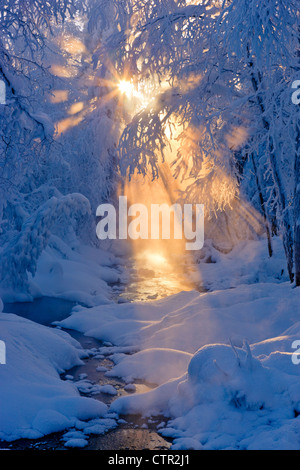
pixel 135 434
pixel 44 311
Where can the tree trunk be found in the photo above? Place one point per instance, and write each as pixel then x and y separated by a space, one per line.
pixel 263 208
pixel 297 210
pixel 287 226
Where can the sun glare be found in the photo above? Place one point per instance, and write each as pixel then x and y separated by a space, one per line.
pixel 156 259
pixel 139 99
pixel 126 88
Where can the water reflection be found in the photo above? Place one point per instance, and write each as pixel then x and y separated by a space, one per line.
pixel 155 275
pixel 159 268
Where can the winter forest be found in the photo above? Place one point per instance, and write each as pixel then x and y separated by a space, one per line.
pixel 150 224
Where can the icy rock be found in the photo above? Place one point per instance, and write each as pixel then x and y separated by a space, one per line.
pixel 76 443
pixel 130 388
pixel 108 390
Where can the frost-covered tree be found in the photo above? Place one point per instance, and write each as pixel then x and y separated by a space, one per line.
pixel 209 92
pixel 56 138
pixel 31 162
pixel 262 38
pixel 168 50
pixel 26 132
pixel 20 255
pixel 219 75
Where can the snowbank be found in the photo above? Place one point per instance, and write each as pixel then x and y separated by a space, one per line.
pixel 34 401
pixel 247 263
pixel 232 399
pixel 189 320
pixel 221 361
pixel 220 364
pixel 80 273
pixel 229 397
pixel 155 365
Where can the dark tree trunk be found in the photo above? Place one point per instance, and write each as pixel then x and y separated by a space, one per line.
pixel 287 225
pixel 263 208
pixel 297 210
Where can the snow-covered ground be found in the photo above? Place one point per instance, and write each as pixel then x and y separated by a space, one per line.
pixel 34 401
pixel 222 361
pixel 82 274
pixel 247 263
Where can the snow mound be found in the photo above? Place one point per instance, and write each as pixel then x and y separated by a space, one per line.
pixel 34 400
pixel 232 375
pixel 155 365
pixel 234 400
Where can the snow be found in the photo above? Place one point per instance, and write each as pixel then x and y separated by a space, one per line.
pixel 34 400
pixel 222 120
pixel 252 312
pixel 78 443
pixel 247 263
pixel 79 438
pixel 25 253
pixel 101 368
pixel 229 398
pixel 79 274
pixel 220 362
pixel 108 390
pixel 155 365
pixel 86 387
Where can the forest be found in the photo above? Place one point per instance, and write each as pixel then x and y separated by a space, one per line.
pixel 175 104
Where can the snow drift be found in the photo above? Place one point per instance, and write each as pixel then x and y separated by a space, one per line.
pixel 34 401
pixel 220 362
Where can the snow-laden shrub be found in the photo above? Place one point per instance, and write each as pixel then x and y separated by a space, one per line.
pixel 19 257
pixel 233 378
